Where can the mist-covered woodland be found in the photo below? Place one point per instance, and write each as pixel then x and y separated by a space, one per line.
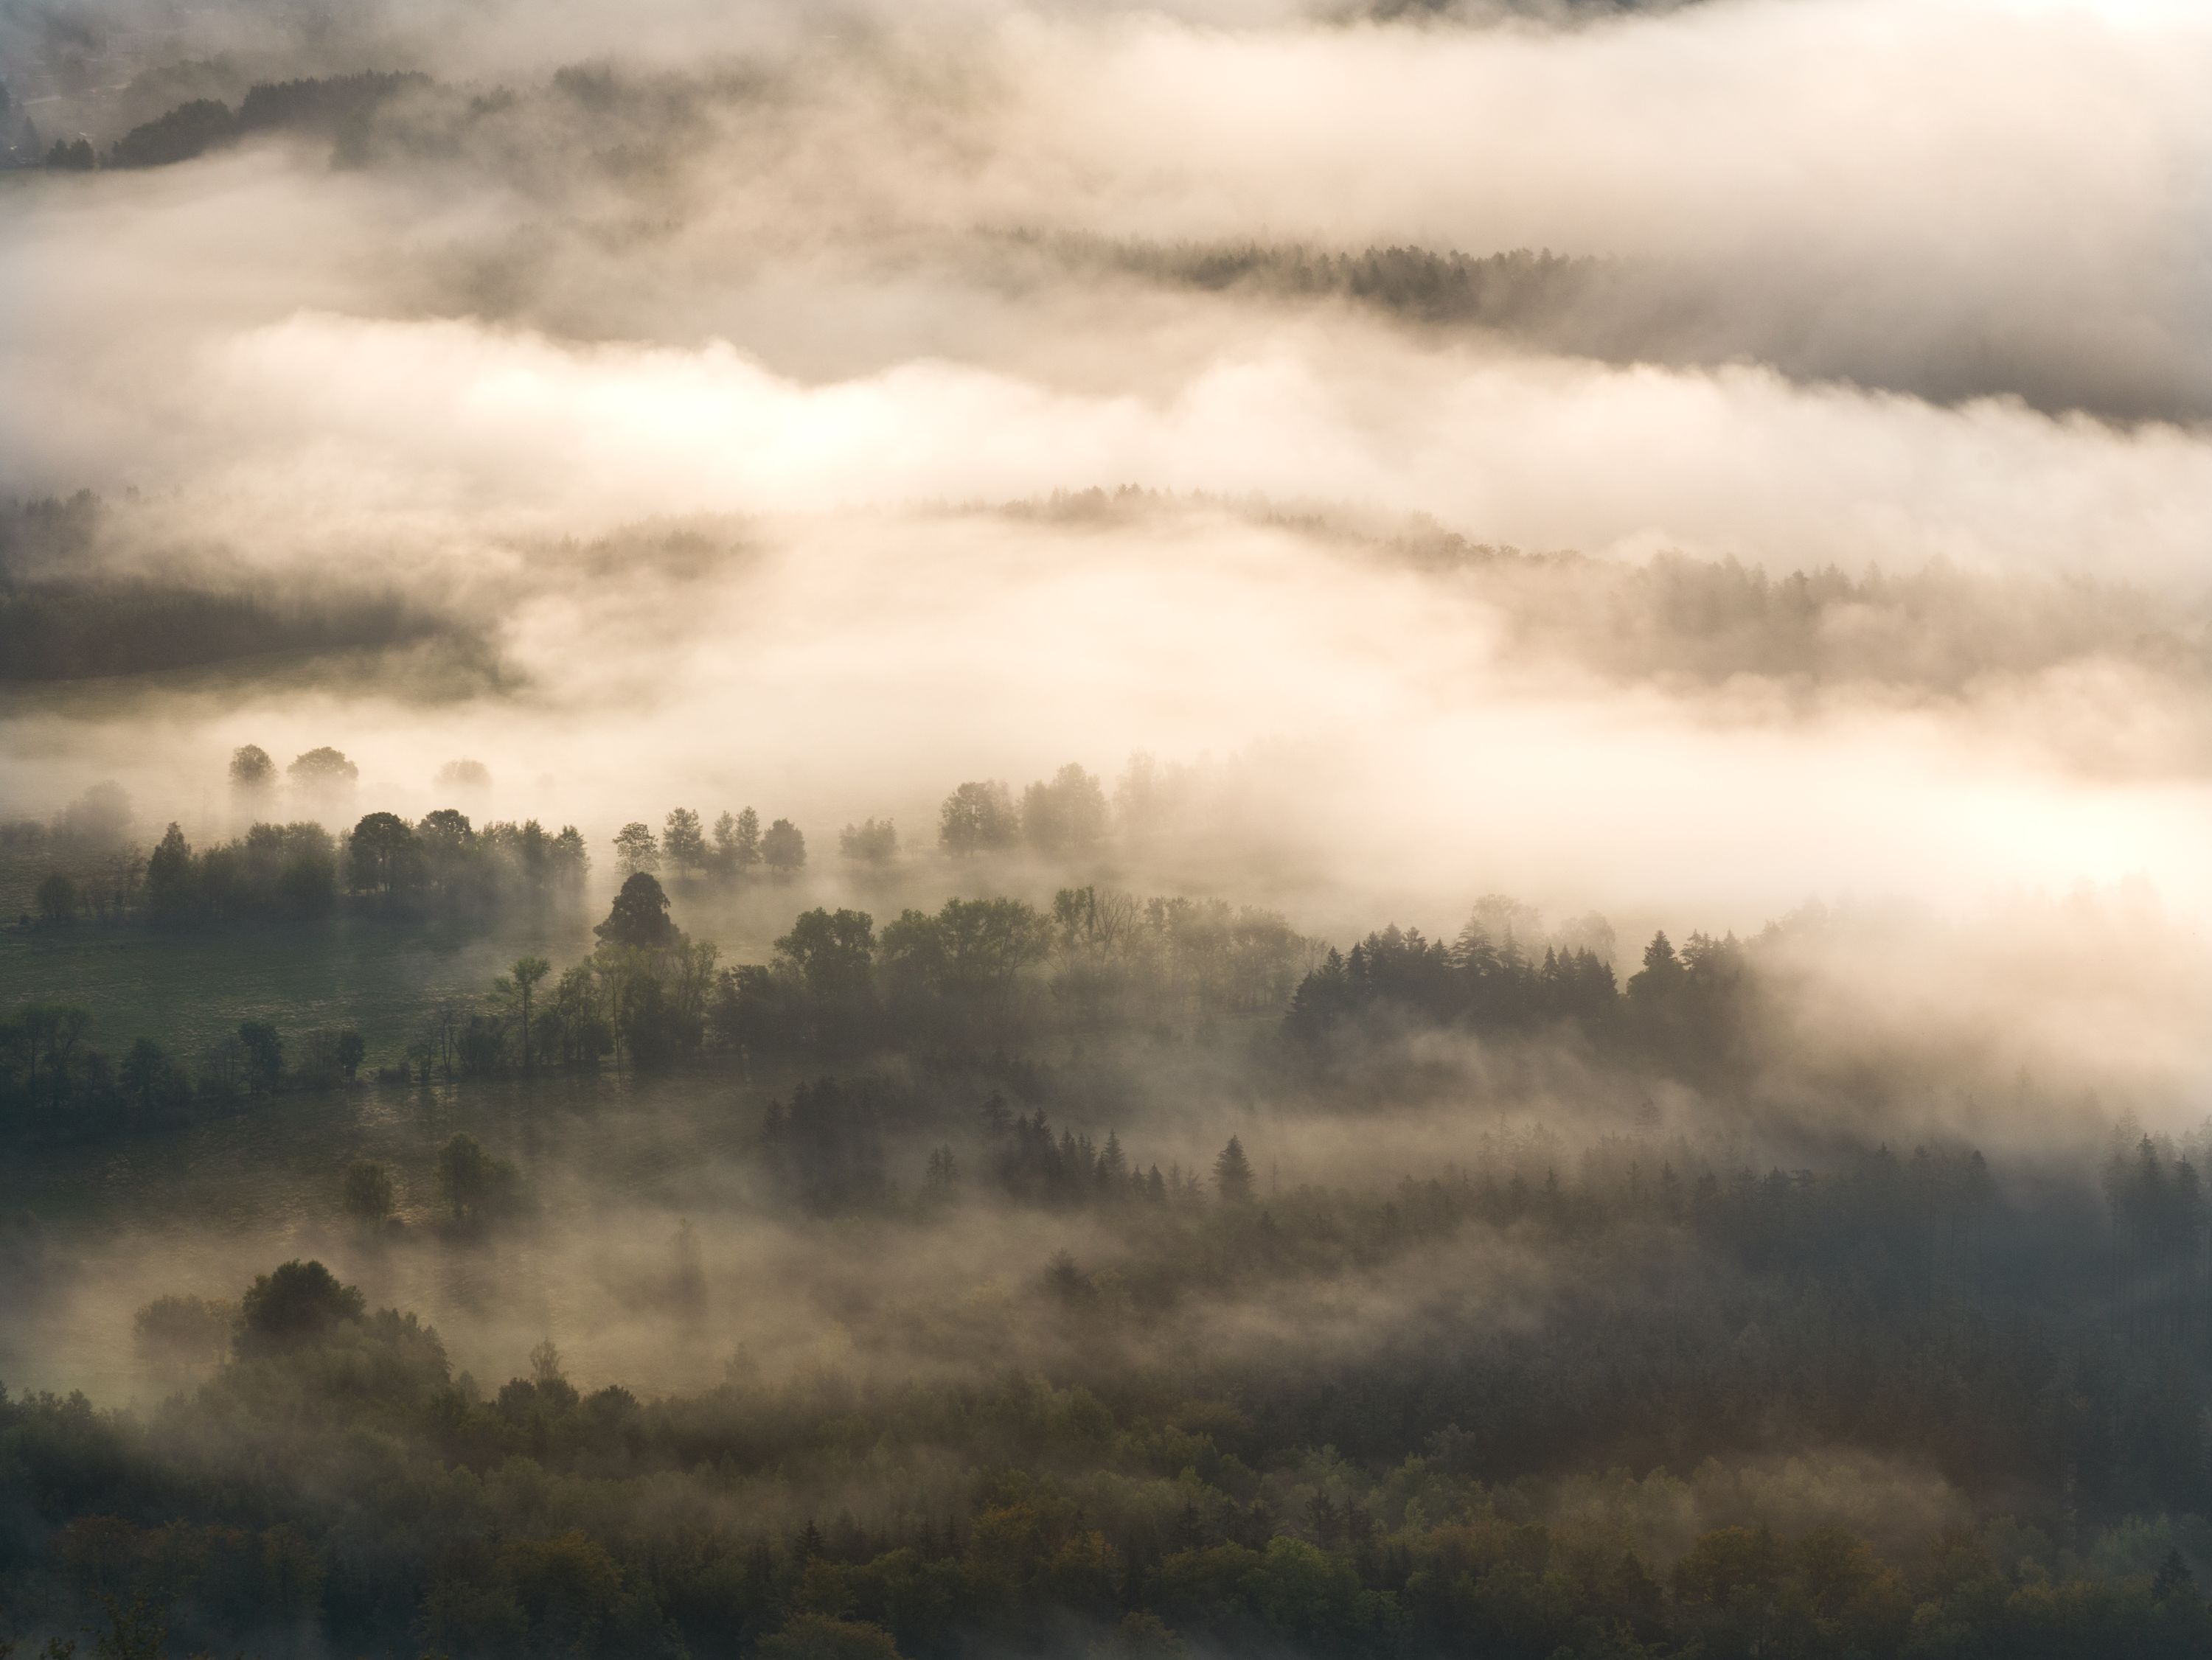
pixel 1240 830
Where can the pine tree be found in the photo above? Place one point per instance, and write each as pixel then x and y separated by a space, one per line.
pixel 1232 1173
pixel 1113 1166
pixel 169 876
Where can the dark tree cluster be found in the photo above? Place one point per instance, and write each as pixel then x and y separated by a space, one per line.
pixel 1693 1012
pixel 1027 1163
pixel 641 998
pixel 273 870
pixel 67 630
pixel 56 1085
pixel 1064 817
pixel 968 979
pixel 63 617
pixel 444 866
pixel 328 106
pixel 441 867
pixel 1165 959
pixel 826 1150
pixel 1489 984
pixel 735 848
pixel 1518 289
pixel 978 972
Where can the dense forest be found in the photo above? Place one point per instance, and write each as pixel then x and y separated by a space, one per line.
pixel 1622 1390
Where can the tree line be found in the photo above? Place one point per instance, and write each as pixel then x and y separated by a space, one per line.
pixel 55 1084
pixel 1068 817
pixel 825 1151
pixel 1695 1010
pixel 328 105
pixel 441 865
pixel 975 974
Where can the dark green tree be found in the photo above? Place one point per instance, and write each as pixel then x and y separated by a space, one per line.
pixel 830 951
pixel 170 889
pixel 298 1301
pixel 383 857
pixel 179 135
pixel 1232 1173
pixel 639 918
pixel 1662 972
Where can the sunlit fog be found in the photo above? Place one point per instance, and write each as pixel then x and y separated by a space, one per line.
pixel 999 828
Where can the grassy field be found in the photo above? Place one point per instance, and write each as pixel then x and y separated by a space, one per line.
pixel 186 988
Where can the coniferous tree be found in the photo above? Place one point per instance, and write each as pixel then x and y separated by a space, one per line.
pixel 1232 1173
pixel 169 885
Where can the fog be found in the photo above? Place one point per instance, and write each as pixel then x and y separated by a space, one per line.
pixel 790 278
pixel 1586 625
